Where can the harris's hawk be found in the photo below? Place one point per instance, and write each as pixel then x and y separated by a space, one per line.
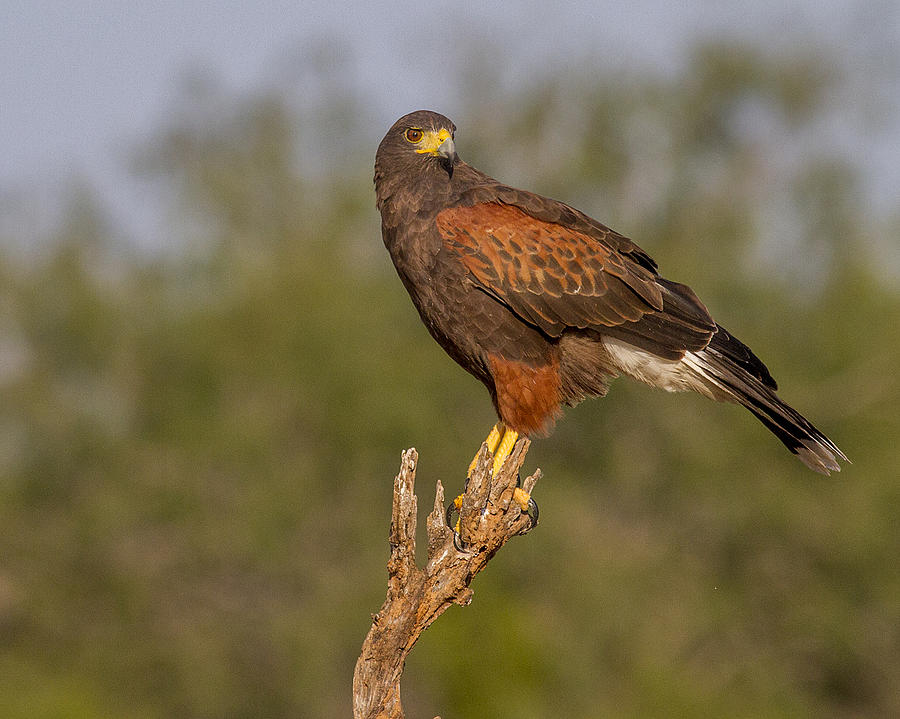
pixel 545 305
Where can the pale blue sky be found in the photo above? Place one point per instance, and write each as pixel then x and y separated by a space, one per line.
pixel 81 83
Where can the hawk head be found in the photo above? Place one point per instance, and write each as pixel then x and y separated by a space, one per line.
pixel 417 142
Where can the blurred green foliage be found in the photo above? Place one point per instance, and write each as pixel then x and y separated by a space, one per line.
pixel 197 447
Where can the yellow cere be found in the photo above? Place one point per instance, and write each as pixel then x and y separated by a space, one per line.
pixel 432 140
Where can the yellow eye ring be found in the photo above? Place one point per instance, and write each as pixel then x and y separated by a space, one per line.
pixel 414 134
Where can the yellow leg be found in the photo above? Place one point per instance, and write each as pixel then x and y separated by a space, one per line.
pixel 520 496
pixel 492 440
pixel 506 446
pixel 500 441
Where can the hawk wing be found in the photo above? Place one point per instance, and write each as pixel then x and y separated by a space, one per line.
pixel 572 273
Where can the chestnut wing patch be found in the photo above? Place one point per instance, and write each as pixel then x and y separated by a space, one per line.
pixel 551 275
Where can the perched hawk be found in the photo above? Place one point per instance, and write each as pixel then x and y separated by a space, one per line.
pixel 545 305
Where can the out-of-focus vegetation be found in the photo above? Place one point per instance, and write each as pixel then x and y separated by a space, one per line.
pixel 196 448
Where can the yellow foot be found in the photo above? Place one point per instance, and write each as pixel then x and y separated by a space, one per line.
pixel 528 506
pixel 456 506
pixel 500 442
pixel 492 440
pixel 522 498
pixel 506 447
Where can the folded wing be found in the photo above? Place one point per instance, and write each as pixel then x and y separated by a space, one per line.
pixel 558 276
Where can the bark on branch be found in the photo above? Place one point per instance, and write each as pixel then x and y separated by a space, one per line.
pixel 416 597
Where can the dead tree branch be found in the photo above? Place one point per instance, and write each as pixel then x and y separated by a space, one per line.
pixel 416 597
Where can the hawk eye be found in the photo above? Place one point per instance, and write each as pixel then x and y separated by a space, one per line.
pixel 414 134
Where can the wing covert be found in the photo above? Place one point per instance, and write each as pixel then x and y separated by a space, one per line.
pixel 550 274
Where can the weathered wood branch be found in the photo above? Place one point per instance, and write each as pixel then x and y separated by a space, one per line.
pixel 416 597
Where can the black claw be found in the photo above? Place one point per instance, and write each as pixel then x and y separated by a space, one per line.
pixel 452 512
pixel 458 542
pixel 533 513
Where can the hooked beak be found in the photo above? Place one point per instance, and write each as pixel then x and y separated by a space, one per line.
pixel 447 149
pixel 438 144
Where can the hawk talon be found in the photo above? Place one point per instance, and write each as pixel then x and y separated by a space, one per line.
pixel 533 512
pixel 455 505
pixel 527 505
pixel 460 545
pixel 530 510
pixel 451 509
pixel 448 516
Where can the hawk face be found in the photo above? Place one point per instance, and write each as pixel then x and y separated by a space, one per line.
pixel 437 143
pixel 418 140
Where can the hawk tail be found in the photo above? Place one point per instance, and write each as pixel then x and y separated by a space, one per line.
pixel 734 373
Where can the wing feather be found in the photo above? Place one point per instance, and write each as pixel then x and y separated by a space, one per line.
pixel 570 273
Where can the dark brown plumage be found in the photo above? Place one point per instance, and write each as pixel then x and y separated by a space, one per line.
pixel 544 304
